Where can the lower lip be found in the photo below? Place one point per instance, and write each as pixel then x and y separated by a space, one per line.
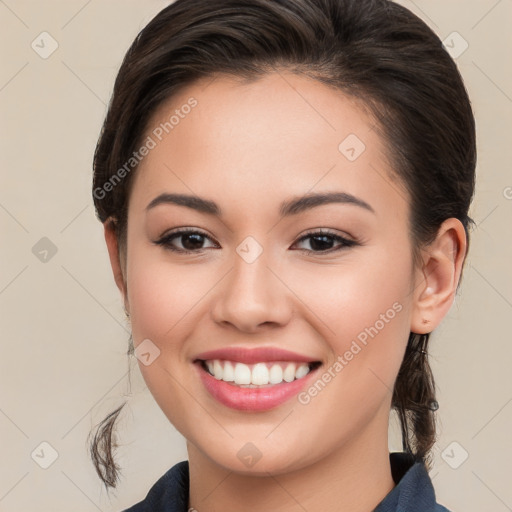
pixel 252 399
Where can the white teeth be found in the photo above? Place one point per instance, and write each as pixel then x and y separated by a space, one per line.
pixel 276 374
pixel 217 369
pixel 302 371
pixel 242 374
pixel 289 373
pixel 229 372
pixel 259 374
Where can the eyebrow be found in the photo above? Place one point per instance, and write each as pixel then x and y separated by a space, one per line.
pixel 287 208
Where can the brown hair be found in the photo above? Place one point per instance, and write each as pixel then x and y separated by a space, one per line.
pixel 373 50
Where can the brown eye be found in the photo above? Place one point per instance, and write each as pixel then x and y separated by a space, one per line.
pixel 190 241
pixel 325 241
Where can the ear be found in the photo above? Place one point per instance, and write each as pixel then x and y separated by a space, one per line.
pixel 115 258
pixel 439 276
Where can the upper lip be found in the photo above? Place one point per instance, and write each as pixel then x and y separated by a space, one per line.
pixel 254 355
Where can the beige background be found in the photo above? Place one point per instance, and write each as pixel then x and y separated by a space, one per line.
pixel 64 335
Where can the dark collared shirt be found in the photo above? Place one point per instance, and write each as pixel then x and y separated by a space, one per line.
pixel 413 491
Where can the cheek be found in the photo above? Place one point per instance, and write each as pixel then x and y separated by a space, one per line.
pixel 161 296
pixel 362 310
pixel 352 296
pixel 365 322
pixel 163 301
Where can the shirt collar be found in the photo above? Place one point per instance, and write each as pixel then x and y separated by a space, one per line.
pixel 413 490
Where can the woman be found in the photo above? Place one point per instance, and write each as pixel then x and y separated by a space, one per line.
pixel 284 188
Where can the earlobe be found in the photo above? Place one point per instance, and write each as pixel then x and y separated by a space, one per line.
pixel 115 258
pixel 438 278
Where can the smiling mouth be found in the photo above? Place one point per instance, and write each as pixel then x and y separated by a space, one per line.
pixel 258 375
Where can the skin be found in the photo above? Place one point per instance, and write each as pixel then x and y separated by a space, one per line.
pixel 249 147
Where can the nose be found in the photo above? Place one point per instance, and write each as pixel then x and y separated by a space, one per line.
pixel 252 297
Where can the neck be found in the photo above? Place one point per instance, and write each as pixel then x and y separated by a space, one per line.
pixel 353 478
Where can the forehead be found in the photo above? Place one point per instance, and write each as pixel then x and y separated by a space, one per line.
pixel 256 142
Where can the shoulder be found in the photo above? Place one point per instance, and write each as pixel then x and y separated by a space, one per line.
pixel 168 494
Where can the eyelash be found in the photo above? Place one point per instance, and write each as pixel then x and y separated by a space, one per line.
pixel 165 241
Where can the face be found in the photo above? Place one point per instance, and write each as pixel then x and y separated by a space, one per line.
pixel 330 281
